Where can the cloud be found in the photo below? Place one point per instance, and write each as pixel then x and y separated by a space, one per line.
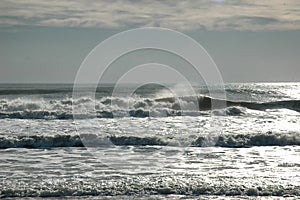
pixel 252 15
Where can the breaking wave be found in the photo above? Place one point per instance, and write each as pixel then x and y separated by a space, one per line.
pixel 230 141
pixel 249 140
pixel 109 107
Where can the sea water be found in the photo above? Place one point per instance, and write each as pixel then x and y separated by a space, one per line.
pixel 150 145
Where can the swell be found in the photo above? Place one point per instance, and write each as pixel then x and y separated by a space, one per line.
pixel 53 90
pixel 205 103
pixel 290 104
pixel 33 91
pixel 229 141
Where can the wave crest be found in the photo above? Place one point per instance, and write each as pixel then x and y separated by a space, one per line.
pixel 230 141
pixel 109 107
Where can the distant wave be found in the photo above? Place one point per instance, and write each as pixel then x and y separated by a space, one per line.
pixel 205 103
pixel 109 107
pixel 37 89
pixel 230 141
pixel 33 91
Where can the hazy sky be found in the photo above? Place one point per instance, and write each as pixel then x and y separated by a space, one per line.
pixel 250 40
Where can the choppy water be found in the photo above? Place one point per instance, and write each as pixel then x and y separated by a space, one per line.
pixel 150 145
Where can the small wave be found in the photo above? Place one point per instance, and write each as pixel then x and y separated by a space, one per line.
pixel 249 140
pixel 74 141
pixel 40 141
pixel 36 115
pixel 230 141
pixel 136 141
pixel 230 111
pixel 34 91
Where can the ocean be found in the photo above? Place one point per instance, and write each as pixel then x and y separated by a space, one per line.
pixel 150 145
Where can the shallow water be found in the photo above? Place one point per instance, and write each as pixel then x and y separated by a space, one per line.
pixel 211 170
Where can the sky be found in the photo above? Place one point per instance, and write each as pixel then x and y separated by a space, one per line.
pixel 44 41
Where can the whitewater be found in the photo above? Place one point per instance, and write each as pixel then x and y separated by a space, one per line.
pixel 151 144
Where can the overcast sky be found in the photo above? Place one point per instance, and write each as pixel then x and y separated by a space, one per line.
pixel 250 40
